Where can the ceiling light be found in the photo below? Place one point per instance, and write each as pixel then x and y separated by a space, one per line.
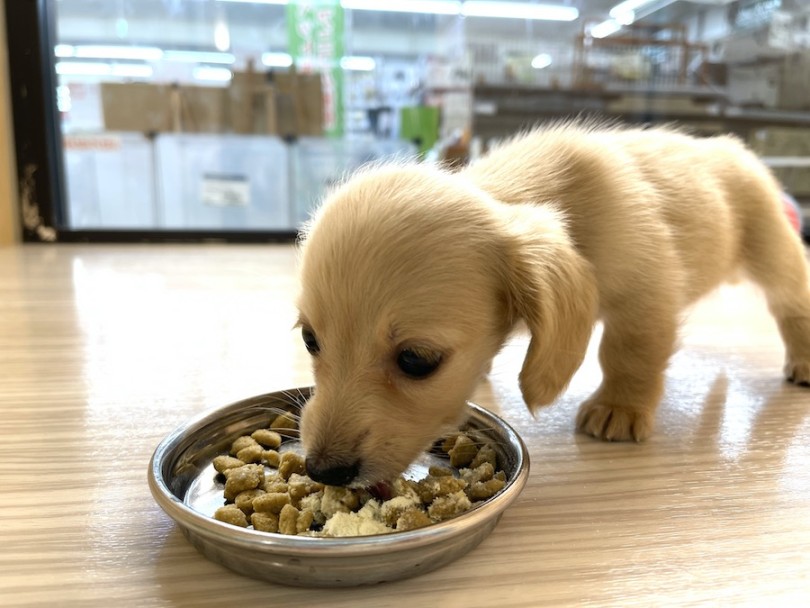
pixel 543 60
pixel 199 57
pixel 222 36
pixel 145 53
pixel 434 7
pixel 212 74
pixel 87 68
pixel 277 60
pixel 358 63
pixel 63 50
pixel 606 28
pixel 519 10
pixel 256 1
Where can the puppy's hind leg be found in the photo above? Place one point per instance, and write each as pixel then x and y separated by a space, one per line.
pixel 635 350
pixel 773 255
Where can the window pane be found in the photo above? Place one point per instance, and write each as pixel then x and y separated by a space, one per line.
pixel 238 115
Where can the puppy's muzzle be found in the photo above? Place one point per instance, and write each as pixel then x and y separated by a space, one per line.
pixel 331 475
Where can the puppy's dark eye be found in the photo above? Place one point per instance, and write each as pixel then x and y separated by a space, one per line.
pixel 310 341
pixel 417 364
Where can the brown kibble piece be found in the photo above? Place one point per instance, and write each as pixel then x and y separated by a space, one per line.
pixel 463 451
pixel 265 522
pixel 485 454
pixel 436 471
pixel 267 438
pixel 271 502
pixel 244 500
pixel 252 453
pixel 248 477
pixel 291 463
pixel 449 442
pixel 272 458
pixel 481 490
pixel 485 472
pixel 413 519
pixel 285 425
pixel 241 443
pixel 223 463
pixel 445 507
pixel 305 519
pixel 288 520
pixel 231 514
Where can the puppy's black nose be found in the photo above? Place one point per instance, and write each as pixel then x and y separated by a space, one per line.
pixel 338 475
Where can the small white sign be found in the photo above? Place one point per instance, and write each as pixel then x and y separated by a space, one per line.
pixel 222 190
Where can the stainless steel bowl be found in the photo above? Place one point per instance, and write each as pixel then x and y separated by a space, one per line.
pixel 182 481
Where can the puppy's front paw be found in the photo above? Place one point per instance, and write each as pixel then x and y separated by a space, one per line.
pixel 798 372
pixel 614 423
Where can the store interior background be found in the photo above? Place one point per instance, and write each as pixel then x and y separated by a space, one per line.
pixel 192 114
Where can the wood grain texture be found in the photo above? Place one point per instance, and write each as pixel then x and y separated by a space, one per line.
pixel 106 349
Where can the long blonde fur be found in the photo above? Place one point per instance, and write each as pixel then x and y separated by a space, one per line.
pixel 557 228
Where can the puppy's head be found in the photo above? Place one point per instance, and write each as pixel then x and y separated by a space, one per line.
pixel 411 280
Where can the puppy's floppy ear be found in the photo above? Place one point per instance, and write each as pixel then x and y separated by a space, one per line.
pixel 553 289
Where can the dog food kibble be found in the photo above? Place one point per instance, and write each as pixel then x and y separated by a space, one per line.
pixel 271 502
pixel 267 438
pixel 288 520
pixel 252 453
pixel 290 463
pixel 241 443
pixel 223 463
pixel 463 451
pixel 247 477
pixel 285 424
pixel 271 492
pixel 244 500
pixel 272 458
pixel 264 522
pixel 231 514
pixel 413 519
pixel 445 507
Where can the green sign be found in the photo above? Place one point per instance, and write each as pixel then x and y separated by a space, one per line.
pixel 315 36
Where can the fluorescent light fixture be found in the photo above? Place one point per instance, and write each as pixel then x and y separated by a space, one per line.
pixel 145 53
pixel 277 60
pixel 63 50
pixel 358 63
pixel 83 68
pixel 87 68
pixel 543 60
pixel 132 71
pixel 628 6
pixel 606 28
pixel 212 74
pixel 222 36
pixel 256 1
pixel 630 11
pixel 519 10
pixel 199 57
pixel 433 7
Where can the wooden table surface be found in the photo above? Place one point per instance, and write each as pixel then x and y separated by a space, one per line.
pixel 106 349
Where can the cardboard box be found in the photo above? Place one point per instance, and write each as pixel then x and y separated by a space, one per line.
pixel 252 104
pixel 150 108
pixel 299 103
pixel 198 109
pixel 136 107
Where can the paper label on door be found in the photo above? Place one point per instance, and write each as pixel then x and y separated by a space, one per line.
pixel 225 190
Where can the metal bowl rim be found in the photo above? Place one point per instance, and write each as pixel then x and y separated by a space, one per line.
pixel 281 544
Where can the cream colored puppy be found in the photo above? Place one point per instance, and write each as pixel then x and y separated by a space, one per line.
pixel 413 277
